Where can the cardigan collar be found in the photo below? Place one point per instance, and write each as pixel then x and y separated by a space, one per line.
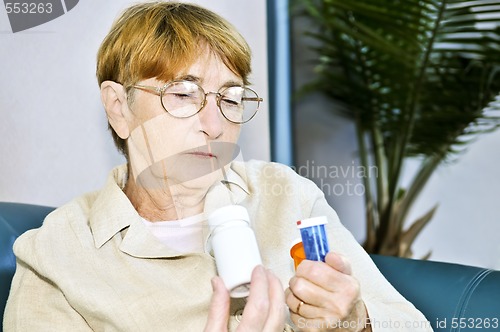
pixel 113 213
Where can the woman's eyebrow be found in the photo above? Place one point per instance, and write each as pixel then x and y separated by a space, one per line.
pixel 190 78
pixel 198 80
pixel 232 83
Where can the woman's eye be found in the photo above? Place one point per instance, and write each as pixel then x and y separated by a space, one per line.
pixel 183 95
pixel 230 102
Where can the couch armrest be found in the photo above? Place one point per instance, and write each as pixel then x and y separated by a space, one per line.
pixel 446 293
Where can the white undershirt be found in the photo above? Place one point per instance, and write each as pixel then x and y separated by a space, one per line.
pixel 184 235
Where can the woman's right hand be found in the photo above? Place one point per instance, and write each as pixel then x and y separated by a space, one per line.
pixel 265 309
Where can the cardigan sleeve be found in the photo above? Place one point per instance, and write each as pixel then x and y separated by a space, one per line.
pixel 387 309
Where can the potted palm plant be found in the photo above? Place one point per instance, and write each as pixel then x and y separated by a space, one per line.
pixel 420 79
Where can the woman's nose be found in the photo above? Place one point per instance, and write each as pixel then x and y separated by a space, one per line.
pixel 210 117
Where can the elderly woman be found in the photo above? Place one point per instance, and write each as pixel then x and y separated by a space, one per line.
pixel 133 257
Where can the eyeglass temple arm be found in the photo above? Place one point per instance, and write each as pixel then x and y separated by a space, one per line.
pixel 152 89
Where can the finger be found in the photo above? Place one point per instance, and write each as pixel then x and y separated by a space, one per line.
pixel 338 262
pixel 321 274
pixel 315 308
pixel 256 310
pixel 287 293
pixel 277 309
pixel 218 312
pixel 323 303
pixel 291 300
pixel 309 311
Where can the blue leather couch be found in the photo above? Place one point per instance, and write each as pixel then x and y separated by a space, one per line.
pixel 452 297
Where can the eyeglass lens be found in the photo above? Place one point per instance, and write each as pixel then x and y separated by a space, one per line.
pixel 184 99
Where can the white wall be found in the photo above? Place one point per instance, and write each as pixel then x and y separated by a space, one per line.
pixel 466 225
pixel 54 141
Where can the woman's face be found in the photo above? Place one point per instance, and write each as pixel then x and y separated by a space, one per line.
pixel 165 150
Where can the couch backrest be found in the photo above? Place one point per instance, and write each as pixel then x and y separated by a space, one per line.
pixel 15 219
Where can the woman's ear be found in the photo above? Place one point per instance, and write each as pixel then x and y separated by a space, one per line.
pixel 114 98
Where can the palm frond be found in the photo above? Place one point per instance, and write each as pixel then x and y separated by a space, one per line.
pixel 418 76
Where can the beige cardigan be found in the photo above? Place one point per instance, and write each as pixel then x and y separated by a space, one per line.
pixel 94 266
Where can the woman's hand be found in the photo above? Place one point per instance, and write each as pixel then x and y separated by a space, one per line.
pixel 265 308
pixel 326 297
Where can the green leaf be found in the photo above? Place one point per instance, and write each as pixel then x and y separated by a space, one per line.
pixel 408 236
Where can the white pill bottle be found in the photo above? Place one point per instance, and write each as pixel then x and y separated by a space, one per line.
pixel 234 247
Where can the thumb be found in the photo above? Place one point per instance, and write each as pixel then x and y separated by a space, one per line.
pixel 218 313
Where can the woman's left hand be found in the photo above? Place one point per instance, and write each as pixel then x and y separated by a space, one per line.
pixel 326 297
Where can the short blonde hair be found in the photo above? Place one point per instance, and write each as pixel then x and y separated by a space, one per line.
pixel 160 39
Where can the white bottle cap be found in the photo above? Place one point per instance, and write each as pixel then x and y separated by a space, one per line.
pixel 227 213
pixel 315 221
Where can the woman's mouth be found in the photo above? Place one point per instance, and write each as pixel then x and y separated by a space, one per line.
pixel 202 154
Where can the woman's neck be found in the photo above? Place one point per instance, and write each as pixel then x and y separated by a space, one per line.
pixel 168 203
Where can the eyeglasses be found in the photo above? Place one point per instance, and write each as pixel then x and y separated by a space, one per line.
pixel 183 99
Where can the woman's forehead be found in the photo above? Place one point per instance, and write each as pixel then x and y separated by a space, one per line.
pixel 209 68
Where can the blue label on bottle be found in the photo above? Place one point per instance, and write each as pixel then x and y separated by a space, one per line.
pixel 315 242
